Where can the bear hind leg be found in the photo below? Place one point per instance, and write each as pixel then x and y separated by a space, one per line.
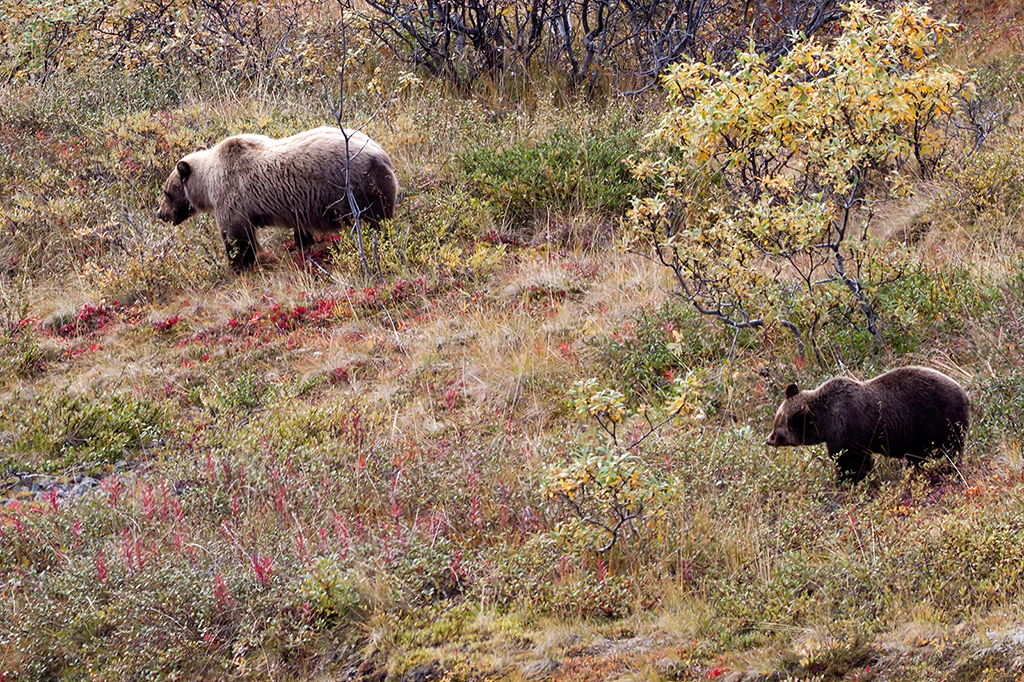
pixel 304 239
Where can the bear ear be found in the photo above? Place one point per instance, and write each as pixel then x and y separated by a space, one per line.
pixel 791 390
pixel 184 170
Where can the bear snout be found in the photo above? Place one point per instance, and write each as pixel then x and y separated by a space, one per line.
pixel 170 213
pixel 165 211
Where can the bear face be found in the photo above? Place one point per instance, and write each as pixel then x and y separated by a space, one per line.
pixel 794 421
pixel 175 207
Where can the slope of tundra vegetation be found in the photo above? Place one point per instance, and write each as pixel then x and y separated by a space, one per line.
pixel 532 448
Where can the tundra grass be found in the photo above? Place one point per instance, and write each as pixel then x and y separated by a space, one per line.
pixel 300 473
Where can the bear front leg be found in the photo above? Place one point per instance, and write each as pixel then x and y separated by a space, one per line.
pixel 853 465
pixel 242 247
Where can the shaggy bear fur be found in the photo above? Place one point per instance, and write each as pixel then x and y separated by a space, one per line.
pixel 911 412
pixel 298 182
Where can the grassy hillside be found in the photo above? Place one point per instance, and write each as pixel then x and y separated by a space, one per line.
pixel 302 473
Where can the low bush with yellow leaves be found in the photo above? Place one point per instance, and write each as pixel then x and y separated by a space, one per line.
pixel 609 494
pixel 761 202
pixel 608 491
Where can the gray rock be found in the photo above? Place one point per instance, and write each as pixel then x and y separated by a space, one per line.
pixel 540 668
pixel 601 646
pixel 669 668
pixel 83 486
pixel 426 672
pixel 42 484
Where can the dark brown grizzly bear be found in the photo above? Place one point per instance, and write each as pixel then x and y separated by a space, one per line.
pixel 911 412
pixel 298 182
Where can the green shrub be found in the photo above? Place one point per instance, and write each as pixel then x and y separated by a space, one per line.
pixel 563 172
pixel 932 304
pixel 54 431
pixel 20 353
pixel 336 592
pixel 998 406
pixel 245 392
pixel 990 184
pixel 656 346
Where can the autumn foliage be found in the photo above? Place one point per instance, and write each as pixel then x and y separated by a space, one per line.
pixel 763 199
pixel 519 453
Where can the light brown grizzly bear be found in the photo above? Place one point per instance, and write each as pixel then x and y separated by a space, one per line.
pixel 911 412
pixel 298 182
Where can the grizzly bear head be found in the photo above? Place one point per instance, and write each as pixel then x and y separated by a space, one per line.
pixel 175 206
pixel 794 420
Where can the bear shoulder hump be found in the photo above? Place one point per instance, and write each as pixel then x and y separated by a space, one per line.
pixel 241 146
pixel 838 388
